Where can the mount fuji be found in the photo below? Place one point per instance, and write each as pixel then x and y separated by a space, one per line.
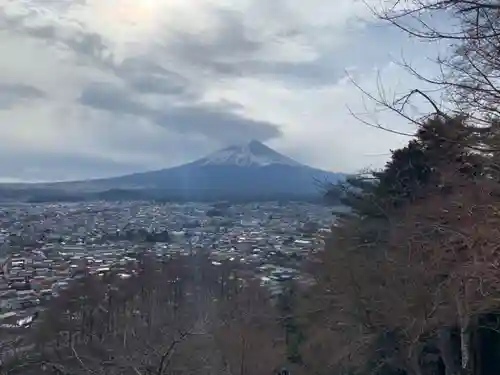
pixel 252 154
pixel 251 171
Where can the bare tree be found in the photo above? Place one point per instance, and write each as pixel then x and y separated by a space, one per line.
pixel 106 325
pixel 177 316
pixel 249 334
pixel 470 67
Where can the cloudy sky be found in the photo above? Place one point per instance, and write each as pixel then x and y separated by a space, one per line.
pixel 92 88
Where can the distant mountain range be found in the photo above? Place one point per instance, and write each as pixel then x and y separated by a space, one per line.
pixel 251 171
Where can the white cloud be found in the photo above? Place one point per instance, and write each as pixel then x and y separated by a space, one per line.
pixel 182 77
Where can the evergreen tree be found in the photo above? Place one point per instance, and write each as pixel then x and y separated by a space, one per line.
pixel 441 145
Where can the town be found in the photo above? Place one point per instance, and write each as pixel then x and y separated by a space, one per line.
pixel 47 246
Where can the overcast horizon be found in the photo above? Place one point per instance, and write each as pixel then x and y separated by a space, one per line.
pixel 96 88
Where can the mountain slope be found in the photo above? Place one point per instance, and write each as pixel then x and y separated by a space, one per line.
pixel 247 171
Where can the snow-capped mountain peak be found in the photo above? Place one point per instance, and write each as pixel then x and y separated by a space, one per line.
pixel 252 154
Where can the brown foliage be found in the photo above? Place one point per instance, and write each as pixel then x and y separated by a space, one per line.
pixel 438 267
pixel 108 325
pixel 249 333
pixel 180 316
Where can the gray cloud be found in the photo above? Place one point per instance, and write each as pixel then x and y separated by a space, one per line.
pixel 234 49
pixel 231 43
pixel 155 84
pixel 234 53
pixel 72 36
pixel 106 97
pixel 212 121
pixel 11 94
pixel 146 77
pixel 67 166
pixel 216 122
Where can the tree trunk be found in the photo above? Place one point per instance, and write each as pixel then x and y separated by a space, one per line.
pixel 465 348
pixel 415 367
pixel 450 357
pixel 243 352
pixel 476 355
pixel 464 329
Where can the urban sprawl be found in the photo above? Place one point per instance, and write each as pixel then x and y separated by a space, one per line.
pixel 45 247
